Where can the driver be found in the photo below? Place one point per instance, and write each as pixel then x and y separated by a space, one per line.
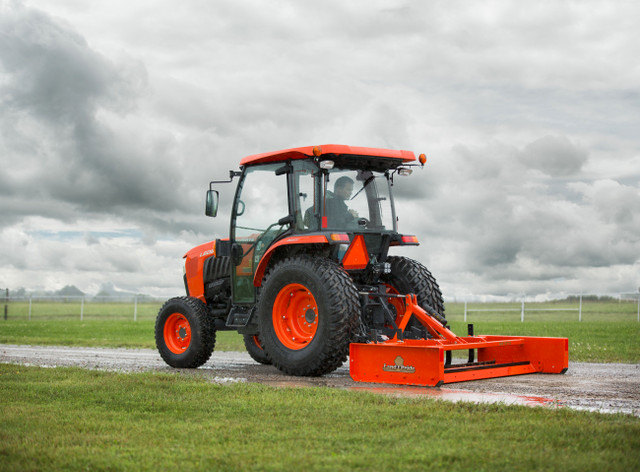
pixel 338 214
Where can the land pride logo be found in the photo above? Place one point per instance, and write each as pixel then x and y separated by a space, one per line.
pixel 398 366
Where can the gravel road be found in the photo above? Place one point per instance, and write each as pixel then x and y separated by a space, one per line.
pixel 586 386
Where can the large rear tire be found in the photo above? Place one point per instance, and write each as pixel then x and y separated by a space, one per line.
pixel 185 333
pixel 409 276
pixel 306 312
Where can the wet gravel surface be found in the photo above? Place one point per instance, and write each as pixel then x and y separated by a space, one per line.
pixel 586 386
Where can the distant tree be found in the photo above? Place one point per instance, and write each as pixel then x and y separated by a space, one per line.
pixel 70 291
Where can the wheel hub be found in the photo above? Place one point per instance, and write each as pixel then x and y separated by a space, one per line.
pixel 310 316
pixel 295 316
pixel 177 333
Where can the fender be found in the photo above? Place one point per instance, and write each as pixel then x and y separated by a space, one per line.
pixel 194 268
pixel 262 266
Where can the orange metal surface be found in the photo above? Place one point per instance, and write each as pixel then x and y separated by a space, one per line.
pixel 356 256
pixel 295 316
pixel 304 239
pixel 306 152
pixel 397 303
pixel 422 362
pixel 256 340
pixel 177 333
pixel 194 265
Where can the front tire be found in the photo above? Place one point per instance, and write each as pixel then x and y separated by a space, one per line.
pixel 306 309
pixel 185 333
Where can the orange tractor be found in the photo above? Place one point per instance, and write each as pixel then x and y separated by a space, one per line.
pixel 306 277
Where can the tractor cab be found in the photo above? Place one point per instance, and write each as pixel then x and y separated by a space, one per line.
pixel 316 199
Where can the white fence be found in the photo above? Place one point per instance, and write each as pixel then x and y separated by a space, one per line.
pixel 128 306
pixel 535 306
pixel 131 306
pixel 523 309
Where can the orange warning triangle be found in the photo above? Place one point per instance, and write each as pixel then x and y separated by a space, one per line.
pixel 356 256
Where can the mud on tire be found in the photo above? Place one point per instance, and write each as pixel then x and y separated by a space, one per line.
pixel 185 333
pixel 306 312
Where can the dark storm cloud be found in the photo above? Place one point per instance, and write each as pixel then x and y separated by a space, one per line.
pixel 57 96
pixel 528 116
pixel 52 72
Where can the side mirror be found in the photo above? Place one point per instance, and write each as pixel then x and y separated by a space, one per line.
pixel 240 208
pixel 237 253
pixel 212 203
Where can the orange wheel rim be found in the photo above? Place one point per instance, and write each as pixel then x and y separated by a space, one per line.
pixel 177 333
pixel 397 303
pixel 295 316
pixel 256 341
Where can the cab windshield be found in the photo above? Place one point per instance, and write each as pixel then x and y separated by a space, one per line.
pixel 343 199
pixel 357 200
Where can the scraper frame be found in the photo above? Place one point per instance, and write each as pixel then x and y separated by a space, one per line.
pixel 428 361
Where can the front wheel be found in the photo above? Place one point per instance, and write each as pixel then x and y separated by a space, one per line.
pixel 306 311
pixel 185 333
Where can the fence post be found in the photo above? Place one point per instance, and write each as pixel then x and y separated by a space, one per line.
pixel 135 308
pixel 6 303
pixel 522 312
pixel 580 309
pixel 81 308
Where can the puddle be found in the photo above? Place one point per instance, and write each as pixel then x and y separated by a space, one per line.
pixel 228 380
pixel 462 396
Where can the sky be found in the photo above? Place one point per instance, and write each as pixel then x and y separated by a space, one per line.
pixel 114 117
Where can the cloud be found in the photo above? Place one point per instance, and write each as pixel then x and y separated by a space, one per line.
pixel 554 155
pixel 111 129
pixel 64 117
pixel 499 216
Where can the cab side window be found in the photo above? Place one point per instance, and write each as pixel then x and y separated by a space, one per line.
pixel 305 185
pixel 261 203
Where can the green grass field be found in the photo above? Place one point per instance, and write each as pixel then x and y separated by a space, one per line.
pixel 71 419
pixel 624 310
pixel 588 341
pixel 609 331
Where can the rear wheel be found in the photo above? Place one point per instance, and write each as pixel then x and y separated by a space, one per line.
pixel 185 334
pixel 409 276
pixel 255 350
pixel 306 311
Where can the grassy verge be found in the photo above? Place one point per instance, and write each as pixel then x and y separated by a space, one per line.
pixel 96 333
pixel 588 341
pixel 70 419
pixel 595 341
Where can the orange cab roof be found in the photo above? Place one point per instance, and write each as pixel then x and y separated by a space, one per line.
pixel 336 149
